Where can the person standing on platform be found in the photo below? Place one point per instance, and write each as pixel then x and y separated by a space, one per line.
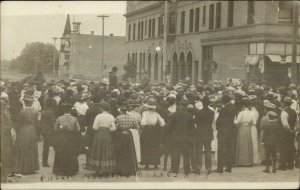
pixel 113 78
pixel 204 134
pixel 181 125
pixel 225 133
pixel 151 134
pixel 290 124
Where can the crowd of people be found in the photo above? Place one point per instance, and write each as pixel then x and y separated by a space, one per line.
pixel 123 127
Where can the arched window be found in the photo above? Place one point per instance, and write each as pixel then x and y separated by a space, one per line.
pixel 182 66
pixel 175 68
pixel 149 64
pixel 189 64
pixel 156 67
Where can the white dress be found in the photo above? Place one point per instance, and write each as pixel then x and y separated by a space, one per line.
pixel 254 137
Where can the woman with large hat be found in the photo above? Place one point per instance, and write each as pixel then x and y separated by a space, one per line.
pixel 254 134
pixel 244 121
pixel 151 134
pixel 26 148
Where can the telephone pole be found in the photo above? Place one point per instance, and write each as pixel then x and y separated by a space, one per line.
pixel 295 77
pixel 102 55
pixel 54 55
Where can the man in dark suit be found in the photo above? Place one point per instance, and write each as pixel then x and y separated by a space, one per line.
pixel 181 125
pixel 204 134
pixel 225 127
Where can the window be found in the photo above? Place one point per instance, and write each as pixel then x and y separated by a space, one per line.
pixel 139 29
pixel 204 16
pixel 191 25
pixel 230 13
pixel 162 25
pixel 218 15
pixel 211 16
pixel 142 30
pixel 129 32
pixel 133 38
pixel 285 11
pixel 182 22
pixel 146 27
pixel 172 23
pixel 197 19
pixel 250 17
pixel 149 29
pixel 153 27
pixel 159 25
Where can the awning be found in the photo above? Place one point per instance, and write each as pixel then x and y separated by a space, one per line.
pixel 275 58
pixel 289 59
pixel 283 59
pixel 252 59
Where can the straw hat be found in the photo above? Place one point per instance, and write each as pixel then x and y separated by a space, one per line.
pixel 150 102
pixel 28 98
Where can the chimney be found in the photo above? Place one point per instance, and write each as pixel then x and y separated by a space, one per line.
pixel 111 34
pixel 92 32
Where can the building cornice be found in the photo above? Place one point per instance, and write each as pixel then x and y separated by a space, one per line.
pixel 152 6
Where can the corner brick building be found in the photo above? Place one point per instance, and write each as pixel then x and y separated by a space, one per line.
pixel 247 39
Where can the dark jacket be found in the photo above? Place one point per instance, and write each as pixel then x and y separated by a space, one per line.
pixel 113 80
pixel 48 118
pixel 181 125
pixel 225 122
pixel 204 119
pixel 271 130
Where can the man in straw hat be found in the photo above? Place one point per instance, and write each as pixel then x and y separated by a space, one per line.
pixel 290 124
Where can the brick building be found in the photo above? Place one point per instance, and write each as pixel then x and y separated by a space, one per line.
pixel 240 39
pixel 80 54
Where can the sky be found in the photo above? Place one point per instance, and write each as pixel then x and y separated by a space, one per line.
pixel 26 22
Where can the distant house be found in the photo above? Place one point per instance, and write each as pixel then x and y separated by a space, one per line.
pixel 80 55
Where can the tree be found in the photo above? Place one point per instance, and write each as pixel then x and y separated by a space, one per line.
pixel 36 57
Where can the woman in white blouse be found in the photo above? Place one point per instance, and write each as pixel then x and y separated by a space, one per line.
pixel 102 157
pixel 244 121
pixel 151 134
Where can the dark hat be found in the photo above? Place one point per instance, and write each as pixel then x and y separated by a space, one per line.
pixel 226 98
pixel 205 100
pixel 184 102
pixel 28 98
pixel 105 106
pixel 287 100
pixel 124 107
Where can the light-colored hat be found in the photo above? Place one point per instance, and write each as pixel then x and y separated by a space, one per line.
pixel 28 98
pixel 56 89
pixel 105 80
pixel 150 102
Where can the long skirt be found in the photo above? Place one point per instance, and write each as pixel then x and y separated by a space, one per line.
pixel 244 150
pixel 66 148
pixel 6 154
pixel 150 142
pixel 254 138
pixel 102 155
pixel 137 143
pixel 126 162
pixel 26 149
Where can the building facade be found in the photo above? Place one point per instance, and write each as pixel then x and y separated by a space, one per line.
pixel 80 55
pixel 211 40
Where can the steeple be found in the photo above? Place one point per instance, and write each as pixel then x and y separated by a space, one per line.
pixel 67 30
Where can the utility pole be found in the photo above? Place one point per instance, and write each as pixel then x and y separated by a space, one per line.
pixel 102 55
pixel 295 77
pixel 54 55
pixel 165 39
